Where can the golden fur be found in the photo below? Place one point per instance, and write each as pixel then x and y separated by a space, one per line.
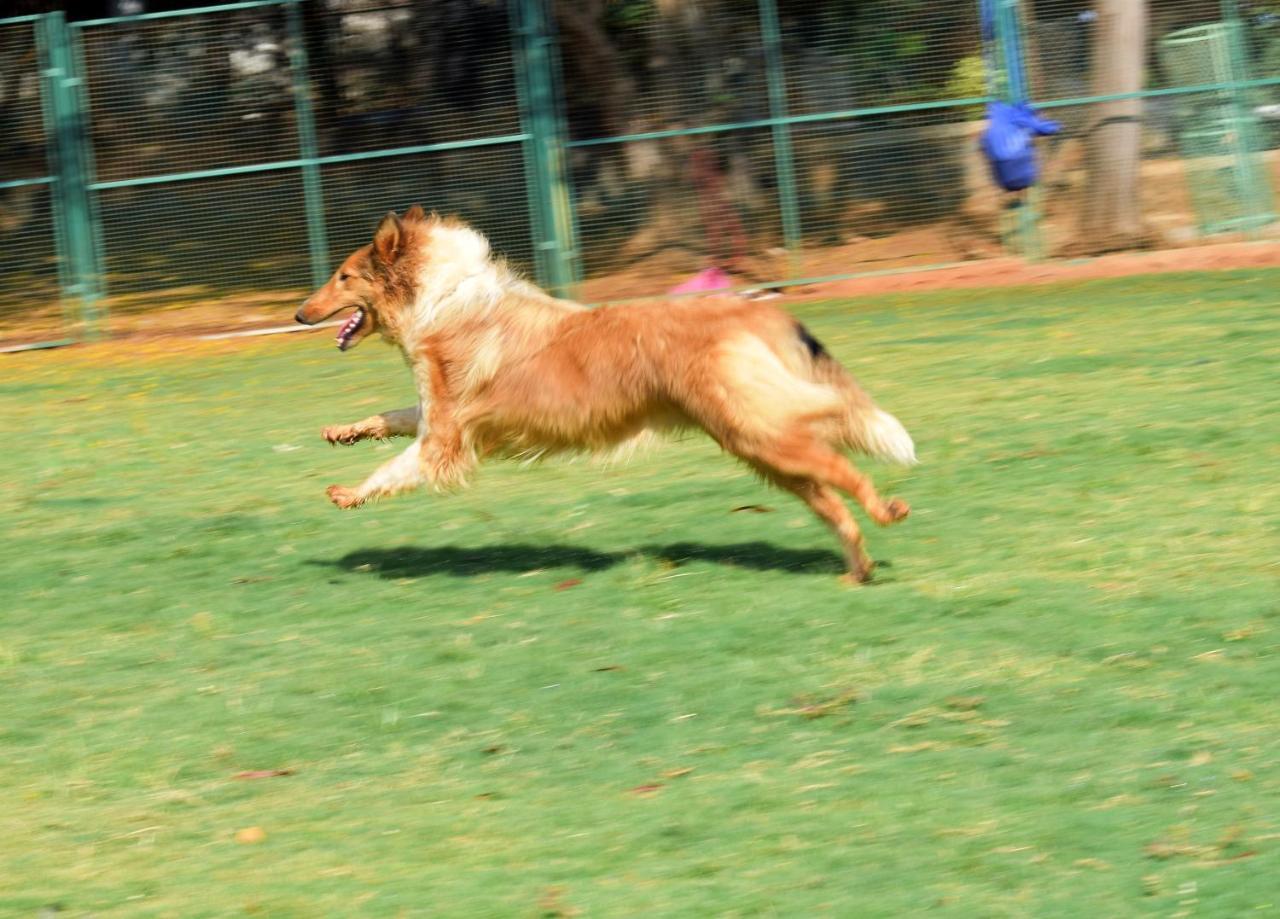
pixel 504 369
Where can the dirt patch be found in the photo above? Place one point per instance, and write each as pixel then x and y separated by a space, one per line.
pixel 275 309
pixel 1009 272
pixel 179 317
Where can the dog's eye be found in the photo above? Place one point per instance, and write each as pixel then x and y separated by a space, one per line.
pixel 343 276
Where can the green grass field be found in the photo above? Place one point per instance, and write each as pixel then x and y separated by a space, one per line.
pixel 599 691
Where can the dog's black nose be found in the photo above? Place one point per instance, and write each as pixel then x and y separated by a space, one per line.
pixel 298 317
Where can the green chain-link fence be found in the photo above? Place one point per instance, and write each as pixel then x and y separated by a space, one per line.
pixel 32 280
pixel 612 148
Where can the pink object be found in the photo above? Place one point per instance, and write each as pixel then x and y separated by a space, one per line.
pixel 705 280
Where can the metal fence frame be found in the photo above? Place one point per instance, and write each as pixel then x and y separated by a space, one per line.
pixel 49 64
pixel 543 138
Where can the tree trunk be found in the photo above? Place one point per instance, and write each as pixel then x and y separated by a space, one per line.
pixel 1111 215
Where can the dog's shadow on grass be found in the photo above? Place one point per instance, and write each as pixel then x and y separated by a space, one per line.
pixel 469 561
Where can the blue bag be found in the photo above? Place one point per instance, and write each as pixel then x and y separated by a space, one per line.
pixel 1009 146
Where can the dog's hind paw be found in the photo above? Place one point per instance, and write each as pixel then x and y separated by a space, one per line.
pixel 891 512
pixel 345 498
pixel 858 578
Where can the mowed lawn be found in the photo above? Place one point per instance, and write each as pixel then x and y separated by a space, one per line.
pixel 603 691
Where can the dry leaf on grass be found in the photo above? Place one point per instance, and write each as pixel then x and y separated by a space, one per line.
pixel 920 747
pixel 1095 863
pixel 642 790
pixel 262 773
pixel 1163 851
pixel 813 707
pixel 916 719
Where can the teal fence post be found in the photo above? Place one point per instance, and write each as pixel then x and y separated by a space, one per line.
pixel 308 151
pixel 75 214
pixel 783 152
pixel 1008 28
pixel 546 169
pixel 1251 183
pixel 44 63
pixel 88 164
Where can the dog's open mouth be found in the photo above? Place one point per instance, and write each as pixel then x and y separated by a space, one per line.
pixel 349 329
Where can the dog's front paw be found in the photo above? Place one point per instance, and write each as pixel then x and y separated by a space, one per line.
pixel 341 434
pixel 345 498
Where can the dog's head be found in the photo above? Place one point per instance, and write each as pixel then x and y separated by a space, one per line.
pixel 376 281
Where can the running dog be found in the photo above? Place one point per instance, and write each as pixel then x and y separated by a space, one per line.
pixel 503 368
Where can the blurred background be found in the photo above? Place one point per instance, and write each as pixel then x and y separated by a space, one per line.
pixel 153 156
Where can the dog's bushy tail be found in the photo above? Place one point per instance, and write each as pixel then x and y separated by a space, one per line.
pixel 864 426
pixel 881 435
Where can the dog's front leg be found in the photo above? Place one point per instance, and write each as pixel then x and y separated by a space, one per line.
pixel 402 422
pixel 403 472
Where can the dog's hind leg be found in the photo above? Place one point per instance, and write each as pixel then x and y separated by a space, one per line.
pixel 826 504
pixel 806 457
pixel 401 422
pixel 446 459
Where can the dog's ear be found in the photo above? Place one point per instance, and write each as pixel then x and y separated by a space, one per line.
pixel 415 214
pixel 388 239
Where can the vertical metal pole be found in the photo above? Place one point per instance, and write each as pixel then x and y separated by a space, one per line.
pixel 564 204
pixel 1251 183
pixel 71 144
pixel 1009 37
pixel 88 162
pixel 534 186
pixel 545 151
pixel 783 153
pixel 48 111
pixel 308 149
